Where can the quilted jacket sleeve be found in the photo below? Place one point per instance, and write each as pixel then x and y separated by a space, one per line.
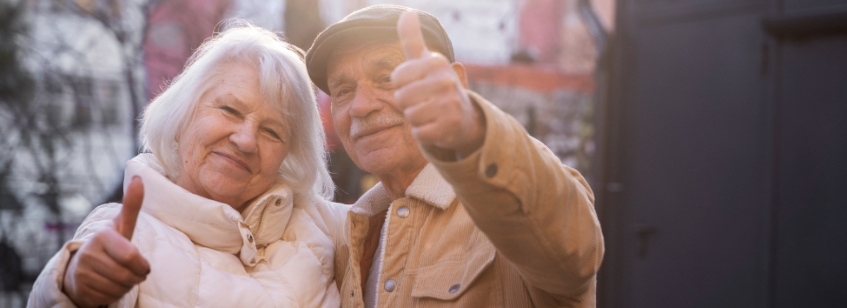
pixel 538 213
pixel 331 218
pixel 47 289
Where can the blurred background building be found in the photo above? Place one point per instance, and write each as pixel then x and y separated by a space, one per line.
pixel 533 58
pixel 713 132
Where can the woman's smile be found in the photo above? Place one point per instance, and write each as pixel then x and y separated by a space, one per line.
pixel 233 161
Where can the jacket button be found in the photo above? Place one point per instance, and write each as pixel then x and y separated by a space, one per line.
pixel 491 171
pixel 390 285
pixel 455 288
pixel 278 202
pixel 403 212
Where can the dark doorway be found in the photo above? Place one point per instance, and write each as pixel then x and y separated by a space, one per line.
pixel 725 182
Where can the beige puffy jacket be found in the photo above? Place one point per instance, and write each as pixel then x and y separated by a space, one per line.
pixel 203 253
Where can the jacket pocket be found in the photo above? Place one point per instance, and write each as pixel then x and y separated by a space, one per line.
pixel 449 280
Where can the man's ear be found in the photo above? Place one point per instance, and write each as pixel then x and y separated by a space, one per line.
pixel 461 72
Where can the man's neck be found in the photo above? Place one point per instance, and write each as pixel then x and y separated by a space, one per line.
pixel 396 183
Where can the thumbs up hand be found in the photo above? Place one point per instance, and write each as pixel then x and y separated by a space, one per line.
pixel 108 265
pixel 125 221
pixel 431 93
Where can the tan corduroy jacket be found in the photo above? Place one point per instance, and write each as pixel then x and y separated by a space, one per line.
pixel 509 226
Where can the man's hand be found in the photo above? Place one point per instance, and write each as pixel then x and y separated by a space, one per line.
pixel 108 266
pixel 432 96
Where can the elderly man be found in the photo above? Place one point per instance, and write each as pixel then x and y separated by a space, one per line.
pixel 470 210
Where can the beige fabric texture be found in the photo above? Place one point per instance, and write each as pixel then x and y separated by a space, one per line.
pixel 508 226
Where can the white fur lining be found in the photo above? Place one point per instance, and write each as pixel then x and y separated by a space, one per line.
pixel 428 186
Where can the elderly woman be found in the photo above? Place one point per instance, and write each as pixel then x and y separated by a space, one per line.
pixel 234 185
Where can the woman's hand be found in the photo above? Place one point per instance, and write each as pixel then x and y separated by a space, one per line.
pixel 108 266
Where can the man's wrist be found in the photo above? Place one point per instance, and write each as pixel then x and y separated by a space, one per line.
pixel 476 132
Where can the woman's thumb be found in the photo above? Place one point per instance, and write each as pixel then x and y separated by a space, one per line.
pixel 125 221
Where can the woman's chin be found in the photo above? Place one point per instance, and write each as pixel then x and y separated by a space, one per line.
pixel 222 189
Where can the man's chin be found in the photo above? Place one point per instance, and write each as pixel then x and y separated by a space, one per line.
pixel 375 160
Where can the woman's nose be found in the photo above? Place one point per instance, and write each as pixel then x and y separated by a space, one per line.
pixel 244 137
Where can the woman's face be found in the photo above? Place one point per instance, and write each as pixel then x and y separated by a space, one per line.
pixel 235 142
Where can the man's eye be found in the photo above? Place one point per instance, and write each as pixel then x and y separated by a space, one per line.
pixel 340 95
pixel 385 83
pixel 342 92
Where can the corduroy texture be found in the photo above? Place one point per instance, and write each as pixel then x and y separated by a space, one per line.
pixel 522 234
pixel 373 23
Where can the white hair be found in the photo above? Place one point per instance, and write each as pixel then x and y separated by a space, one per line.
pixel 284 83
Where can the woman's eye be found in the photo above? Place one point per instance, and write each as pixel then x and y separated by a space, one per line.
pixel 229 110
pixel 273 134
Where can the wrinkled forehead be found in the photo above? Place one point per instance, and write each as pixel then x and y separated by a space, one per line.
pixel 271 85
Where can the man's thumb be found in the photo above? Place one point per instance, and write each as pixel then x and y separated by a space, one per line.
pixel 125 221
pixel 411 38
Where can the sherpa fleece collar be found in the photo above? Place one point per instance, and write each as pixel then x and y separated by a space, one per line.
pixel 429 186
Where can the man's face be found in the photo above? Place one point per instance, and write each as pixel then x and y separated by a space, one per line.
pixel 372 129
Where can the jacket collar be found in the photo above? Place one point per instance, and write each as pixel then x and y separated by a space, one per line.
pixel 429 186
pixel 207 222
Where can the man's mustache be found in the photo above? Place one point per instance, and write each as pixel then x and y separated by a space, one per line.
pixel 370 125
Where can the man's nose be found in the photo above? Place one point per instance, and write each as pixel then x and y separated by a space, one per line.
pixel 244 137
pixel 366 101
